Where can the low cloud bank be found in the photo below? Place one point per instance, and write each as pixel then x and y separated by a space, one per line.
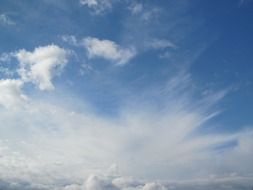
pixel 96 182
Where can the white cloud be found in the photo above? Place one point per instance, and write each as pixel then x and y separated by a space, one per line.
pixel 136 8
pixel 144 12
pixel 70 39
pixel 41 65
pixel 149 15
pixel 50 144
pixel 108 50
pixel 98 6
pixel 123 182
pixel 160 44
pixel 84 143
pixel 96 183
pixel 7 72
pixel 153 186
pixel 6 57
pixel 4 19
pixel 51 147
pixel 72 187
pixel 105 49
pixel 89 3
pixel 10 93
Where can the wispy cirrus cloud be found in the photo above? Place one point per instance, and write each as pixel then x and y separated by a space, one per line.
pixel 160 44
pixel 136 8
pixel 109 50
pixel 98 7
pixel 244 2
pixel 144 142
pixel 4 19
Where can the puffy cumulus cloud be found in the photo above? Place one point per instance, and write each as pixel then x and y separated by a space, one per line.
pixel 98 6
pixel 218 182
pixel 123 182
pixel 11 95
pixel 95 183
pixel 108 50
pixel 98 182
pixel 41 65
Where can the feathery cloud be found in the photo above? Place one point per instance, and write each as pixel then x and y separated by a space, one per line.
pixel 4 19
pixel 136 8
pixel 98 7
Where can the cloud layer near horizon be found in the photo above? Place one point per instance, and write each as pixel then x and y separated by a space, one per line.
pixel 52 142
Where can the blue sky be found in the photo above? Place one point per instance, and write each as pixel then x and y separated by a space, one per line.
pixel 120 94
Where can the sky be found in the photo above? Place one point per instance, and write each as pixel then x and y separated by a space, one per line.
pixel 126 95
